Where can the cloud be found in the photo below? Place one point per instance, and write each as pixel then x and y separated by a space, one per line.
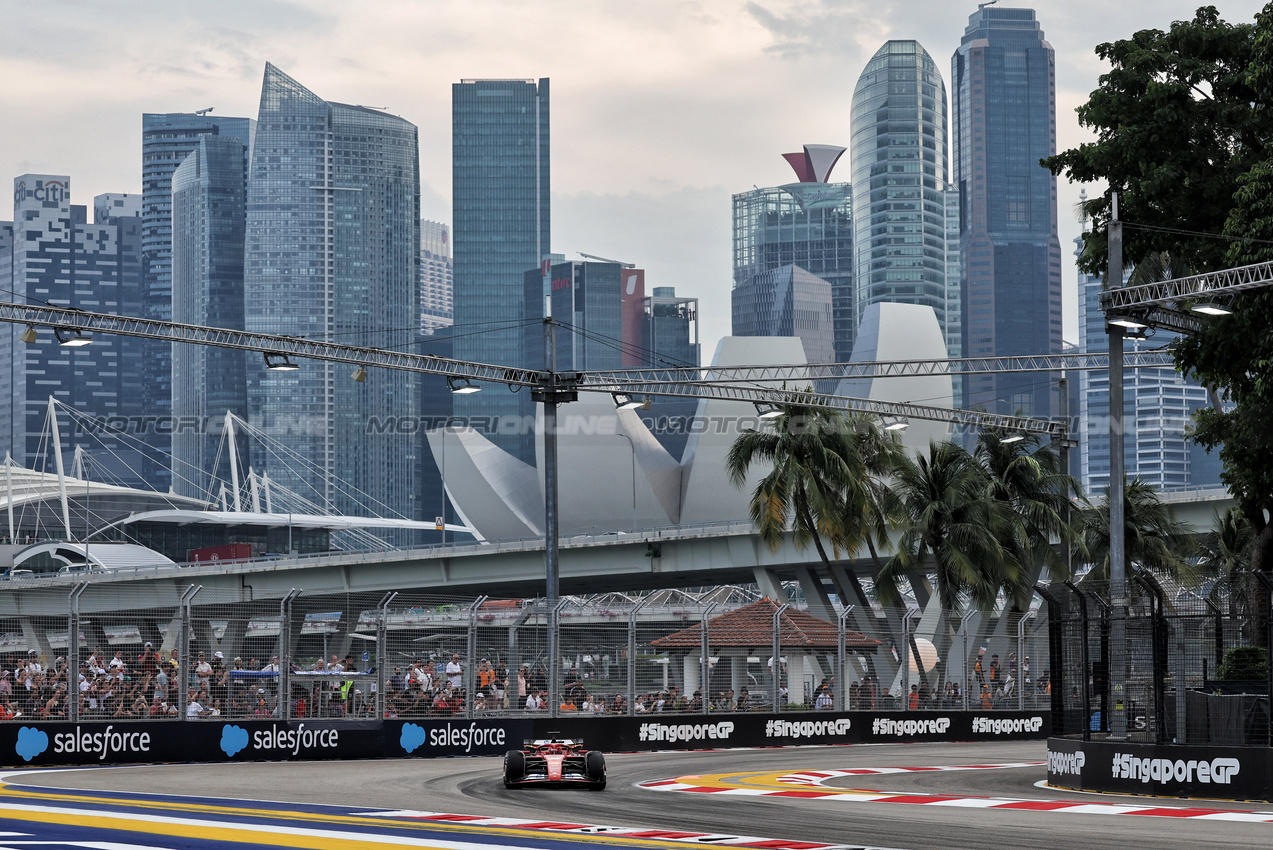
pixel 31 742
pixel 412 737
pixel 234 739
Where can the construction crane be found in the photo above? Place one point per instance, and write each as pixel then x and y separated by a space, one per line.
pixel 606 260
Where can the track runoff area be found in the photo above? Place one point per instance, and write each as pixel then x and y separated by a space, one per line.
pixel 35 814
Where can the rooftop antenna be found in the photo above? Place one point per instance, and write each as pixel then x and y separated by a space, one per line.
pixel 987 3
pixel 204 111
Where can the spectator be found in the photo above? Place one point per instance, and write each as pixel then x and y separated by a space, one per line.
pixel 194 708
pixel 202 671
pixel 912 701
pixel 824 702
pixel 479 703
pixel 995 672
pixel 977 670
pixel 118 663
pixel 522 684
pixel 455 672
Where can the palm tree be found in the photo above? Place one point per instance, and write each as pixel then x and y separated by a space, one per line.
pixel 822 484
pixel 951 526
pixel 1027 480
pixel 1225 555
pixel 1154 540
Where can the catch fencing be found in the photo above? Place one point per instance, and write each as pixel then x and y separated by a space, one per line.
pixel 1177 689
pixel 197 654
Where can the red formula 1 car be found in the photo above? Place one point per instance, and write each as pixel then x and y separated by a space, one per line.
pixel 554 761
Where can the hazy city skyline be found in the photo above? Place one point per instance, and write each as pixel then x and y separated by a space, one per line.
pixel 661 111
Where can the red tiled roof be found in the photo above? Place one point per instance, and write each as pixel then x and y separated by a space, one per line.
pixel 753 626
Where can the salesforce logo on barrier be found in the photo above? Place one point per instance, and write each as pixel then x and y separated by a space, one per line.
pixel 31 742
pixel 1066 764
pixel 806 728
pixel 1005 726
pixel 234 739
pixel 462 737
pixel 673 732
pixel 1218 771
pixel 101 744
pixel 907 728
pixel 412 737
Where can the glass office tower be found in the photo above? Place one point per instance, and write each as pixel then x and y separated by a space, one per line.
pixel 167 138
pixel 208 202
pixel 786 301
pixel 500 229
pixel 1004 90
pixel 670 336
pixel 332 252
pixel 51 254
pixel 776 227
pixel 899 180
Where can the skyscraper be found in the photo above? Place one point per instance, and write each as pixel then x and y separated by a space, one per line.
pixel 437 277
pixel 52 254
pixel 208 203
pixel 1004 90
pixel 899 180
pixel 166 140
pixel 671 329
pixel 808 223
pixel 501 226
pixel 332 251
pixel 787 301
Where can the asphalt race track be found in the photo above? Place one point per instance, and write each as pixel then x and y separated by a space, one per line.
pixel 767 793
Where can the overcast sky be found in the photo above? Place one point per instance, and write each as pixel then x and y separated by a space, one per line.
pixel 661 109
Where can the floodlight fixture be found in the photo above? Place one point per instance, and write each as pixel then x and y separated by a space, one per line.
pixel 768 410
pixel 71 337
pixel 462 386
pixel 277 362
pixel 28 335
pixel 1212 308
pixel 359 375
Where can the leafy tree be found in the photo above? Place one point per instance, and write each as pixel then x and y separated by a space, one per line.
pixel 1154 540
pixel 1225 556
pixel 950 527
pixel 1178 123
pixel 1184 122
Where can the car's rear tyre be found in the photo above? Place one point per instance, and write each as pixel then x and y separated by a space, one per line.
pixel 595 768
pixel 514 768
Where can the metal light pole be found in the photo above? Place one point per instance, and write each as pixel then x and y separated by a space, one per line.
pixel 1117 674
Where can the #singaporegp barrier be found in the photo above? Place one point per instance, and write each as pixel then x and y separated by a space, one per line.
pixel 1161 770
pixel 139 742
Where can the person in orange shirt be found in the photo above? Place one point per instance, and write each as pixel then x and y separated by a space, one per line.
pixel 913 702
pixel 987 699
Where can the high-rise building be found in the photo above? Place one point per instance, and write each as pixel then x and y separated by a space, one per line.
pixel 787 301
pixel 586 299
pixel 1158 407
pixel 116 205
pixel 671 330
pixel 1004 91
pixel 899 180
pixel 167 138
pixel 50 253
pixel 808 223
pixel 332 252
pixel 437 277
pixel 500 228
pixel 208 203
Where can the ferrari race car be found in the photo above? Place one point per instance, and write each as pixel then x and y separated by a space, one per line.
pixel 554 761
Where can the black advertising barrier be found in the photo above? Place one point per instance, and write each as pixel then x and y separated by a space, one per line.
pixel 134 742
pixel 690 732
pixel 1163 770
pixel 196 741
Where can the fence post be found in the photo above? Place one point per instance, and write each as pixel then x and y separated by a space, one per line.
pixel 183 650
pixel 73 651
pixel 554 663
pixel 285 654
pixel 1268 625
pixel 1029 615
pixel 963 633
pixel 705 666
pixel 841 660
pixel 632 651
pixel 906 657
pixel 776 667
pixel 1158 633
pixel 470 692
pixel 382 653
pixel 1056 660
pixel 1087 664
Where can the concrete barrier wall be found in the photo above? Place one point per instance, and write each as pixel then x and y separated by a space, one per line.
pixel 133 742
pixel 1163 770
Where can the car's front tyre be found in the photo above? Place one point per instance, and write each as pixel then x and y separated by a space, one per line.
pixel 514 768
pixel 595 768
